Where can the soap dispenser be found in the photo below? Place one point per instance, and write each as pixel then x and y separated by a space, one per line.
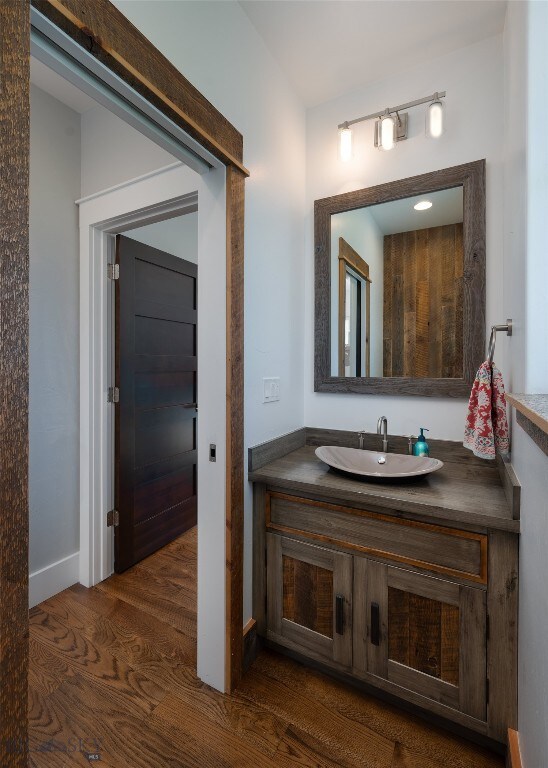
pixel 421 446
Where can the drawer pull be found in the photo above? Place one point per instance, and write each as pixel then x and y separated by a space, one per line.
pixel 339 614
pixel 375 624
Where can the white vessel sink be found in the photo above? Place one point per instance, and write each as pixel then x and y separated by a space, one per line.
pixel 376 464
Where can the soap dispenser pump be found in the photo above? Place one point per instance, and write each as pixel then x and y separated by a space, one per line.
pixel 421 446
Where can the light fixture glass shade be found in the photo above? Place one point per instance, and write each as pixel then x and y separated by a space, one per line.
pixel 434 120
pixel 387 132
pixel 345 144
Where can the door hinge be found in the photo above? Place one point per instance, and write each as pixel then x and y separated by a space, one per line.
pixel 113 395
pixel 113 518
pixel 113 271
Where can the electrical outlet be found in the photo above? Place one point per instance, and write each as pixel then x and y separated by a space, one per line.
pixel 271 390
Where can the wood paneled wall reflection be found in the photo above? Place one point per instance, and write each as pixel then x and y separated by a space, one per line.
pixel 423 300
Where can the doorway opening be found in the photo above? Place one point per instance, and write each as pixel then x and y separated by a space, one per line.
pixel 140 211
pixel 108 49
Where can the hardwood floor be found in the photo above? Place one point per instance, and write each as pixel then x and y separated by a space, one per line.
pixel 113 674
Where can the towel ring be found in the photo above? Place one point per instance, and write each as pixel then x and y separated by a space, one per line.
pixel 494 329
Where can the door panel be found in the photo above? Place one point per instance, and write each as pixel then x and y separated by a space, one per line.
pixel 163 432
pixel 309 599
pixel 155 336
pixel 164 286
pixel 308 595
pixel 164 493
pixel 154 390
pixel 156 316
pixel 422 633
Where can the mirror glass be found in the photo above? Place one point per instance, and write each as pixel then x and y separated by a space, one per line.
pixel 397 288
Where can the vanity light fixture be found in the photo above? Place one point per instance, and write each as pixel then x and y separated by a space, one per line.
pixel 391 124
pixel 387 132
pixel 434 118
pixel 422 205
pixel 345 143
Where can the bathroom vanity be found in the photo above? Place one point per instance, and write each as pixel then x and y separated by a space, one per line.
pixel 407 587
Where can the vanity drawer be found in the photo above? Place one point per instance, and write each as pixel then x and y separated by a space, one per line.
pixel 436 548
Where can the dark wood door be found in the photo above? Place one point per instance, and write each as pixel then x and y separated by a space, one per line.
pixel 156 364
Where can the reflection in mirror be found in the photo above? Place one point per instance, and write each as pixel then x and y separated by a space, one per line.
pixel 353 311
pixel 397 288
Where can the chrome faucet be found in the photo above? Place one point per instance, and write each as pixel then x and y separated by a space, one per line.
pixel 382 428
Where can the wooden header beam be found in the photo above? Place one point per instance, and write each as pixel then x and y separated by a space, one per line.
pixel 100 28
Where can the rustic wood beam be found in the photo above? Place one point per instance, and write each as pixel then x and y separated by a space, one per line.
pixel 100 28
pixel 235 188
pixel 14 278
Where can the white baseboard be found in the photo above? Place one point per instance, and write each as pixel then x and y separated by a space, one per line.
pixel 53 579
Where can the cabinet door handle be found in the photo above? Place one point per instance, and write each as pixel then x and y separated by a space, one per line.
pixel 375 624
pixel 339 614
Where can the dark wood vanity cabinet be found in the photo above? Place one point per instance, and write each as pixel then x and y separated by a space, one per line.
pixel 398 604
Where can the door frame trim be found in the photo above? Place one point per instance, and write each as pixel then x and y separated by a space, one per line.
pixel 170 191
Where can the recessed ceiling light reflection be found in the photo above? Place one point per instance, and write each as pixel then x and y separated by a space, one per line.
pixel 423 205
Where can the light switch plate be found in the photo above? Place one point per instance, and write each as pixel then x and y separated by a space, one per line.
pixel 271 390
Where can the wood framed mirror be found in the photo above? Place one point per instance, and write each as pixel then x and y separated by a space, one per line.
pixel 400 286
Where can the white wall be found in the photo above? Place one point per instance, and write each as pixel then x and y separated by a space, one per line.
pixel 54 372
pixel 178 236
pixel 216 47
pixel 525 280
pixel 114 152
pixel 473 80
pixel 361 231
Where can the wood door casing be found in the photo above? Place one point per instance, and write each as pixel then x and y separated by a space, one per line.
pixel 156 366
pixel 14 380
pixel 304 585
pixel 348 257
pixel 432 635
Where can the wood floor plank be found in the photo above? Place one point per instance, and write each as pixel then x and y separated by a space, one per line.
pixel 175 715
pixel 125 740
pixel 47 671
pixel 89 657
pixel 412 732
pixel 319 722
pixel 135 590
pixel 168 640
pixel 55 740
pixel 403 758
pixel 303 749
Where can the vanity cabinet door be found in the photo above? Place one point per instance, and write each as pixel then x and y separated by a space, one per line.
pixel 309 599
pixel 423 634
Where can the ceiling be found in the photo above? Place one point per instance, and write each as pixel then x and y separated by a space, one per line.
pixel 400 215
pixel 330 47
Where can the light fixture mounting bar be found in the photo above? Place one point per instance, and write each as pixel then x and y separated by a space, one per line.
pixel 391 110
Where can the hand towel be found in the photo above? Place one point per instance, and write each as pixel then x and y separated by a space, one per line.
pixel 486 428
